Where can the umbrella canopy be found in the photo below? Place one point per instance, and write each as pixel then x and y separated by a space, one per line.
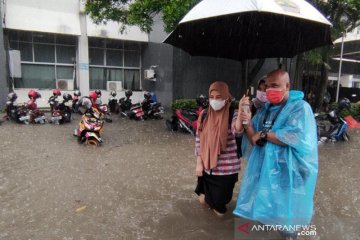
pixel 248 29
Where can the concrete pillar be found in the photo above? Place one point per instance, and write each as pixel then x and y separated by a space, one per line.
pixel 3 69
pixel 83 58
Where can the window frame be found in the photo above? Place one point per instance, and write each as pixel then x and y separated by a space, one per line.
pixel 123 50
pixel 54 64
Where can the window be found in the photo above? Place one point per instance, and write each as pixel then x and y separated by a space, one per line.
pixel 44 53
pixel 64 72
pixel 131 58
pixel 114 57
pixel 99 76
pixel 45 57
pixel 36 76
pixel 96 56
pixel 356 84
pixel 132 79
pixel 65 54
pixel 114 60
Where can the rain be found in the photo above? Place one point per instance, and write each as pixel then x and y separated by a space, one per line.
pixel 139 185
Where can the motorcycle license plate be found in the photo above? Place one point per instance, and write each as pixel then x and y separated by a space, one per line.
pixel 56 118
pixel 24 118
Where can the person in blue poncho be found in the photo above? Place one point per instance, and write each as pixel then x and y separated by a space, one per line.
pixel 282 161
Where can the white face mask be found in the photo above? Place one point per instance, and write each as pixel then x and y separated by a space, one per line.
pixel 217 104
pixel 261 96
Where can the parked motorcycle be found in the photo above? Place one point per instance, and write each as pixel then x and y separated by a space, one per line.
pixel 95 98
pixel 127 109
pixel 36 116
pixel 331 127
pixel 61 112
pixel 113 103
pixel 91 124
pixel 186 119
pixel 14 112
pixel 75 100
pixel 104 109
pixel 151 109
pixel 53 100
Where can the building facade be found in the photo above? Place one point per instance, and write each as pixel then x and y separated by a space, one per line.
pixel 350 64
pixel 58 46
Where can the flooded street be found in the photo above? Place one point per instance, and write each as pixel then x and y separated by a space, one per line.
pixel 139 185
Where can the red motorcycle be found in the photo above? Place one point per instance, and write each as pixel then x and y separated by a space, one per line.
pixel 127 109
pixel 36 116
pixel 186 119
pixel 61 112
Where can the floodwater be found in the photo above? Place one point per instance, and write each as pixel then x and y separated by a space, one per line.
pixel 139 185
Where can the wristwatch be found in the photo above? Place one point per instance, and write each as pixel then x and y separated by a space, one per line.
pixel 263 135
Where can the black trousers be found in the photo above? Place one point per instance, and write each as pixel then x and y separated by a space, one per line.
pixel 218 189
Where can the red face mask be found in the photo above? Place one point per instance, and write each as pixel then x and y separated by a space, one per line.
pixel 274 95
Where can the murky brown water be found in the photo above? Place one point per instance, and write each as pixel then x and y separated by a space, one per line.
pixel 138 185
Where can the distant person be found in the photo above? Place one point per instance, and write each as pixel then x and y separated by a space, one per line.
pixel 217 165
pixel 279 181
pixel 256 104
pixel 259 101
pixel 311 97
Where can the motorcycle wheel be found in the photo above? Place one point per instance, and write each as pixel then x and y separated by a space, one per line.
pixel 158 117
pixel 92 142
pixel 169 125
pixel 172 124
pixel 346 137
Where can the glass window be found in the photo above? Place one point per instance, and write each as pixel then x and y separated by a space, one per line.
pixel 13 35
pixel 64 72
pixel 36 76
pixel 97 42
pixel 14 45
pixel 131 59
pixel 116 44
pixel 44 37
pixel 114 58
pixel 128 45
pixel 96 56
pixel 132 80
pixel 65 54
pixel 25 36
pixel 67 40
pixel 44 53
pixel 26 51
pixel 20 36
pixel 114 74
pixel 97 78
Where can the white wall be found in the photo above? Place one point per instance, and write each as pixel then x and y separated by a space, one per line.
pixel 52 16
pixel 350 36
pixel 112 30
pixel 346 80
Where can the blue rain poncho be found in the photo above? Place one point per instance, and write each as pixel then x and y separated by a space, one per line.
pixel 279 181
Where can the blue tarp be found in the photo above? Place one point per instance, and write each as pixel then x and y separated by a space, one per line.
pixel 279 181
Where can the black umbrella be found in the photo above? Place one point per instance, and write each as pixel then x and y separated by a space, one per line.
pixel 249 29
